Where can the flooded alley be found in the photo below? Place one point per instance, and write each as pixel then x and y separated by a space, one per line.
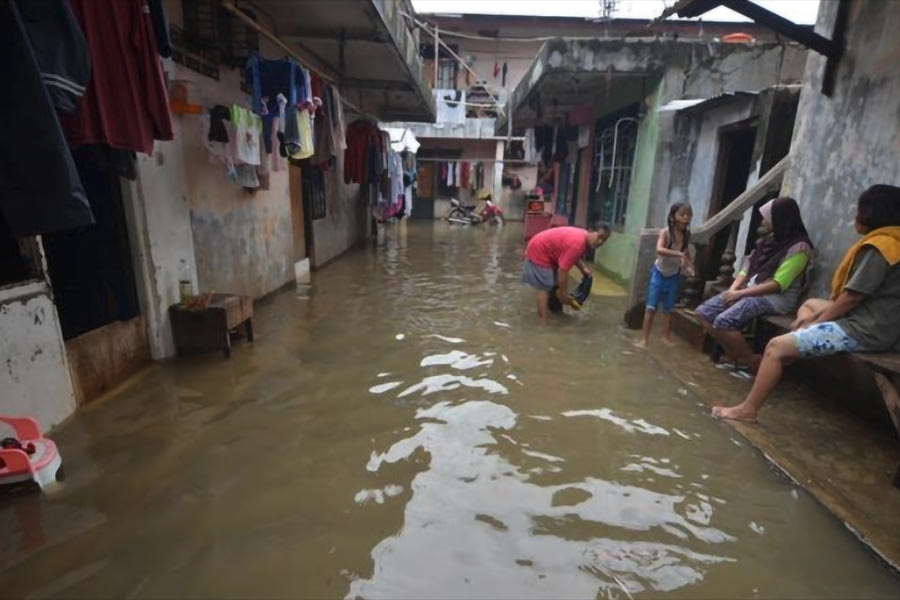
pixel 408 429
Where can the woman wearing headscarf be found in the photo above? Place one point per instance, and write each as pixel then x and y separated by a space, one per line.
pixel 771 282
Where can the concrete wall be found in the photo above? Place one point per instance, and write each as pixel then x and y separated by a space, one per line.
pixel 694 150
pixel 34 376
pixel 847 142
pixel 160 235
pixel 243 241
pixel 345 222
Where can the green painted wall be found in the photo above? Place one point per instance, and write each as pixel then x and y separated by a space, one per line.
pixel 617 257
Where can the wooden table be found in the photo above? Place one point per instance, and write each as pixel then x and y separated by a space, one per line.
pixel 210 328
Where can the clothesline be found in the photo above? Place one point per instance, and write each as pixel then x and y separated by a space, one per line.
pixel 232 8
pixel 473 160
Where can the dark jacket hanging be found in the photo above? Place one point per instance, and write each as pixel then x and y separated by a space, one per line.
pixel 40 190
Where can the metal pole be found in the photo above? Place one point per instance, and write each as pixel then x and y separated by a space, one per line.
pixel 436 57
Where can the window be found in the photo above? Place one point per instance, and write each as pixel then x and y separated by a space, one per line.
pixel 447 70
pixel 614 150
pixel 314 191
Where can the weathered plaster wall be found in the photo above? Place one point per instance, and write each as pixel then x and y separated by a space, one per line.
pixel 243 241
pixel 34 376
pixel 345 222
pixel 694 149
pixel 847 142
pixel 714 69
pixel 160 235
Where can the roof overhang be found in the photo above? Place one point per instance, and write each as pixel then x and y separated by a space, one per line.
pixel 608 74
pixel 693 107
pixel 364 46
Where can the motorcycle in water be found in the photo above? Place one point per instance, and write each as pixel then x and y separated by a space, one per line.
pixel 467 215
pixel 491 213
pixel 464 215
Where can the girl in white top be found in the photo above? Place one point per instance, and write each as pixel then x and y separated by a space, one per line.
pixel 672 256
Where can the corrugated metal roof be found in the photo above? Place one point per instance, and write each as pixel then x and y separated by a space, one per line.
pixel 694 106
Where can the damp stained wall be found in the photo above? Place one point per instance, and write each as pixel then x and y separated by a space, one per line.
pixel 160 235
pixel 34 376
pixel 847 142
pixel 346 217
pixel 243 240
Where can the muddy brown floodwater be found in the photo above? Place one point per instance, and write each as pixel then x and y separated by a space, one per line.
pixel 408 429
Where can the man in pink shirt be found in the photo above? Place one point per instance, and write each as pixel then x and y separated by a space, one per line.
pixel 551 253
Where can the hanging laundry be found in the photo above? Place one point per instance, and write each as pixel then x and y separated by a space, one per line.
pixel 161 28
pixel 305 127
pixel 40 190
pixel 217 117
pixel 60 48
pixel 325 150
pixel 360 156
pixel 464 175
pixel 451 106
pixel 296 139
pixel 246 176
pixel 248 129
pixel 223 153
pixel 279 154
pixel 337 118
pixel 126 105
pixel 269 78
pixel 396 175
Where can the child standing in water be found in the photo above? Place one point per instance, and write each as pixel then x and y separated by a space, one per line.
pixel 665 280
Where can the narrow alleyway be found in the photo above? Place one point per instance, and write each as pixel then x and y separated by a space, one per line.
pixel 408 429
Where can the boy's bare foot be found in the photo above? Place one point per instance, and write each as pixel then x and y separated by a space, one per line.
pixel 668 341
pixel 735 413
pixel 642 345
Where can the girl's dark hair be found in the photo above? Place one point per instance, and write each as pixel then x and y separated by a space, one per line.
pixel 879 206
pixel 670 221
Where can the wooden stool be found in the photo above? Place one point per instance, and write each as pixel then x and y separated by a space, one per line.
pixel 209 328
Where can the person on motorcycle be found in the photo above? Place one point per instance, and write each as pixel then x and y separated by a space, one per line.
pixel 551 253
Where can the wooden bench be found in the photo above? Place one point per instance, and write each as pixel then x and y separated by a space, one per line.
pixel 885 367
pixel 198 329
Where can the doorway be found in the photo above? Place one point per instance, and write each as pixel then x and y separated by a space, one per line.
pixel 300 224
pixel 92 274
pixel 736 145
pixel 423 203
pixel 91 267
